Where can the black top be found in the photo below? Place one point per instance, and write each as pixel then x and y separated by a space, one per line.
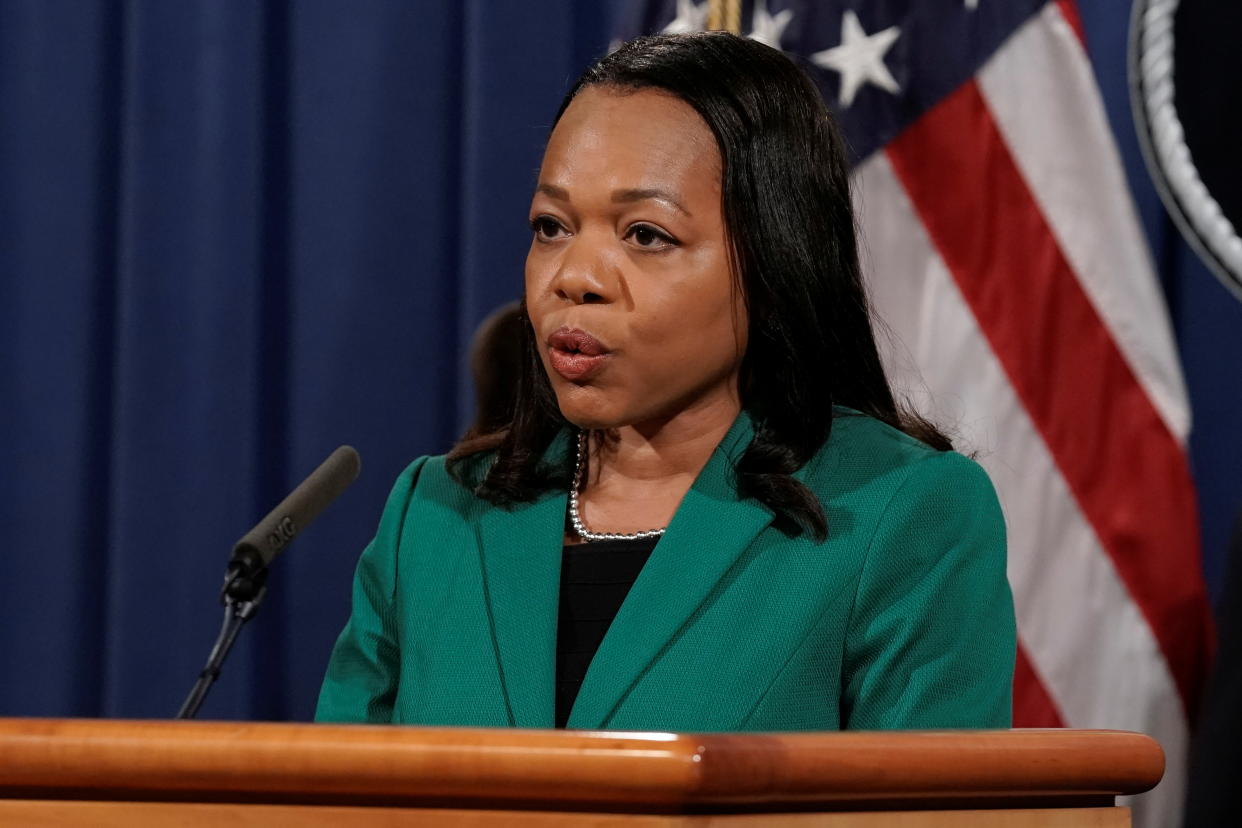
pixel 595 578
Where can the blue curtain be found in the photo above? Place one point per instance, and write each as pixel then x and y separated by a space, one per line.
pixel 235 234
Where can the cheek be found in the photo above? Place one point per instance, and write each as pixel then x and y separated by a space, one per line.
pixel 696 320
pixel 530 274
pixel 535 280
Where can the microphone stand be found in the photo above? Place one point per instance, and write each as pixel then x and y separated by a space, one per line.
pixel 245 586
pixel 245 581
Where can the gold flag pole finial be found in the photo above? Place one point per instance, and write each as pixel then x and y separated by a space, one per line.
pixel 725 14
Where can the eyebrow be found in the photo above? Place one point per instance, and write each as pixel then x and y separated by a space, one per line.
pixel 622 196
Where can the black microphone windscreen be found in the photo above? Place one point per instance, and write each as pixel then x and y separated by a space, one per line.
pixel 295 512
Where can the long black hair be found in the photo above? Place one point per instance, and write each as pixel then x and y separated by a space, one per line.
pixel 787 212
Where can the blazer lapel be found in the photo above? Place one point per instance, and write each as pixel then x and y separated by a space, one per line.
pixel 710 530
pixel 521 558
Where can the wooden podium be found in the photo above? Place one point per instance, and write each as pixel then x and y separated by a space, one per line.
pixel 113 773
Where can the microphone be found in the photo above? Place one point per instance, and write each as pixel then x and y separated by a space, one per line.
pixel 245 581
pixel 258 547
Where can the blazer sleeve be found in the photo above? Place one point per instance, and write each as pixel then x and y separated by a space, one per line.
pixel 365 666
pixel 932 640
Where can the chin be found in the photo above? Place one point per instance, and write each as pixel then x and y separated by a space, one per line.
pixel 588 407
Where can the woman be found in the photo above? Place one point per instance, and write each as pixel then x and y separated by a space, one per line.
pixel 704 446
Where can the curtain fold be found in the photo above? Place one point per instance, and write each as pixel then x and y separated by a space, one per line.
pixel 234 235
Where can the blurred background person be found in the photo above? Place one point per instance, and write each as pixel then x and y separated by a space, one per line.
pixel 496 353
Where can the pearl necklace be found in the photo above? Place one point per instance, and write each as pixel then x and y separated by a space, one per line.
pixel 575 519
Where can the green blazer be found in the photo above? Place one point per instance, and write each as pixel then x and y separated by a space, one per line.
pixel 902 618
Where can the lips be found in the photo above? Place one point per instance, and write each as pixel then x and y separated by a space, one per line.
pixel 576 355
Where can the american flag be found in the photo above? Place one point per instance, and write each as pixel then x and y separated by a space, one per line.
pixel 1005 255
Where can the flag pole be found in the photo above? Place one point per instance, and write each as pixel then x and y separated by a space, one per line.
pixel 725 14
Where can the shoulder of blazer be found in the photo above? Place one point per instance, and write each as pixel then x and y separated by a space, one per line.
pixel 865 458
pixel 435 486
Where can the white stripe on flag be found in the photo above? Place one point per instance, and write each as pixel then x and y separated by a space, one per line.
pixel 1042 94
pixel 1085 636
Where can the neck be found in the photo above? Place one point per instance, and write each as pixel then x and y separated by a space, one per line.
pixel 665 450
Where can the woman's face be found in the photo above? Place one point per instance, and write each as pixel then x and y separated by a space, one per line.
pixel 628 281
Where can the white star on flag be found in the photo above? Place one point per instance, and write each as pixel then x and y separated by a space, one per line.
pixel 859 58
pixel 766 27
pixel 691 17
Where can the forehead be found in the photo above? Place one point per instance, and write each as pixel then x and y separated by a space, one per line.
pixel 631 138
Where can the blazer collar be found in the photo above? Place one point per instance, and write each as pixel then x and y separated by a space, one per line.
pixel 521 557
pixel 710 530
pixel 521 550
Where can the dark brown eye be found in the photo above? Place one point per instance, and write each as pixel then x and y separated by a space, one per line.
pixel 545 227
pixel 646 236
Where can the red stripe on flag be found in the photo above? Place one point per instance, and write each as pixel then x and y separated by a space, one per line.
pixel 1032 706
pixel 1125 469
pixel 1069 10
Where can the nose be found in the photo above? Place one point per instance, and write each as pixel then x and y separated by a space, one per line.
pixel 585 275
